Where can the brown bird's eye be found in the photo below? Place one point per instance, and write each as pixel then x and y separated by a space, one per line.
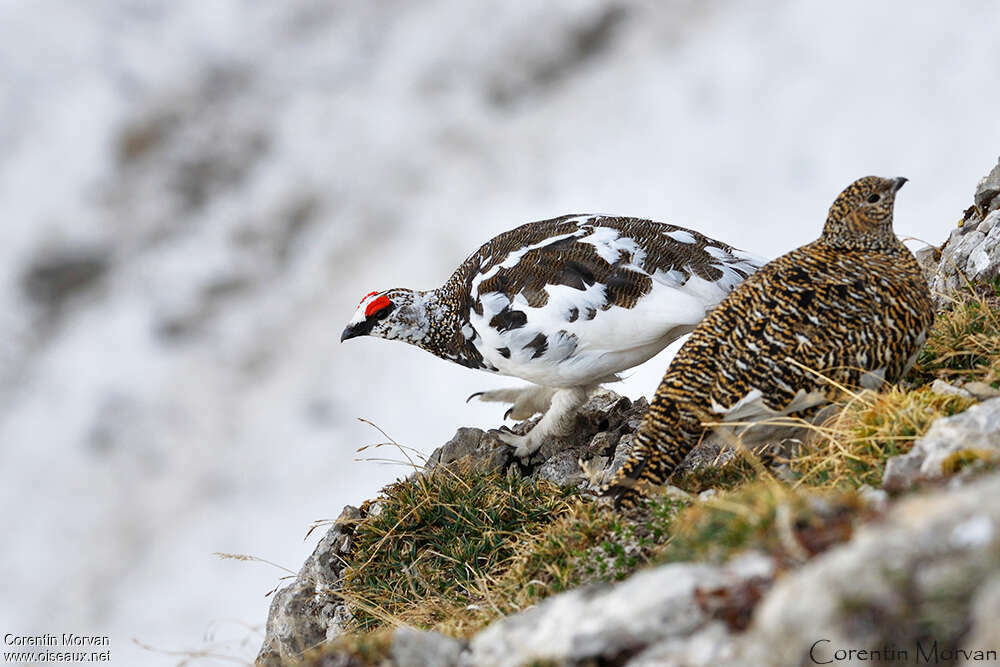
pixel 873 199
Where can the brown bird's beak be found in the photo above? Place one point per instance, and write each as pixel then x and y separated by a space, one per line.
pixel 899 183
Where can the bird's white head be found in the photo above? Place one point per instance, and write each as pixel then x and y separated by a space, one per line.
pixel 397 313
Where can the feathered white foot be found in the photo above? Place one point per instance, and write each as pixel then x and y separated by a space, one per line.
pixel 526 401
pixel 557 420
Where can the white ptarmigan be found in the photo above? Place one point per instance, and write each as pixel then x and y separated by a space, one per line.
pixel 566 304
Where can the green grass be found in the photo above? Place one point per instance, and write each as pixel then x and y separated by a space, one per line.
pixel 453 551
pixel 429 545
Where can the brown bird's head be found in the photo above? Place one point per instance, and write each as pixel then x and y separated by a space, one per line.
pixel 861 216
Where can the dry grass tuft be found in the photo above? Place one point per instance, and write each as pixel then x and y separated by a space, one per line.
pixel 852 447
pixel 791 524
pixel 964 343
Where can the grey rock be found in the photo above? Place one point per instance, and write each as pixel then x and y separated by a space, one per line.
pixel 945 389
pixel 913 574
pixel 563 468
pixel 973 250
pixel 985 617
pixel 614 622
pixel 928 258
pixel 472 446
pixel 988 190
pixel 416 648
pixel 713 645
pixel 980 390
pixel 308 612
pixel 977 428
pixel 984 260
pixel 901 473
pixel 876 499
pixel 598 433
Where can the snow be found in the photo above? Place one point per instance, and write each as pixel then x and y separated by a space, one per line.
pixel 250 170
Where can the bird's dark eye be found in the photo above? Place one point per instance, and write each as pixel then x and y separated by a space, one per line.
pixel 874 199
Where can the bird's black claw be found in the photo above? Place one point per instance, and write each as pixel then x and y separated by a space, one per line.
pixel 472 396
pixel 509 410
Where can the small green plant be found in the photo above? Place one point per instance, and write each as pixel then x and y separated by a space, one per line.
pixel 590 543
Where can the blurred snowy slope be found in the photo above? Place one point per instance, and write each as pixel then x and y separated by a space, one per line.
pixel 196 194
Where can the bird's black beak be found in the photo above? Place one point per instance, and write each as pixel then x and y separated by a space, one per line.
pixel 898 183
pixel 350 332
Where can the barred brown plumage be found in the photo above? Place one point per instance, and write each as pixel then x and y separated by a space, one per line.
pixel 851 308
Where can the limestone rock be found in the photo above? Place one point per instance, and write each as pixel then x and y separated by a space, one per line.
pixel 472 446
pixel 973 250
pixel 988 191
pixel 911 576
pixel 663 606
pixel 978 429
pixel 308 611
pixel 980 390
pixel 415 648
pixel 985 617
pixel 945 389
pixel 713 645
pixel 602 428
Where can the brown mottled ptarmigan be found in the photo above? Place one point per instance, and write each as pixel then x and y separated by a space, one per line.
pixel 566 304
pixel 851 309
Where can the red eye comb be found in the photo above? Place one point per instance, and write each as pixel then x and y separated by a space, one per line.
pixel 377 305
pixel 366 296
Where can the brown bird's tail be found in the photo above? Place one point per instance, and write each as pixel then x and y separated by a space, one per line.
pixel 648 467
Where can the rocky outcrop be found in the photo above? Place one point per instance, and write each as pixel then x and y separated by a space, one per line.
pixel 973 434
pixel 973 250
pixel 602 434
pixel 654 613
pixel 915 577
pixel 308 612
